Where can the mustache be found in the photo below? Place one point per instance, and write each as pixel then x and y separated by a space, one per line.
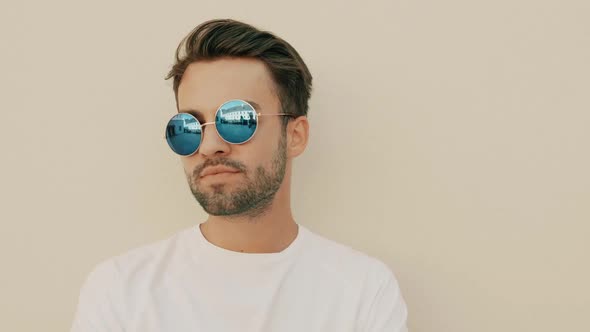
pixel 219 161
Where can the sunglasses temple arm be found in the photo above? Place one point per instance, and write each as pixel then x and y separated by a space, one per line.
pixel 260 114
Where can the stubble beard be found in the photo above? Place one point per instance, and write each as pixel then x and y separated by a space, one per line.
pixel 253 197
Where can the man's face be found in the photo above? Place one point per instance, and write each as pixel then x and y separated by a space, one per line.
pixel 257 166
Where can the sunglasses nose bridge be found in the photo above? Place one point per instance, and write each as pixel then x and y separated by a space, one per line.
pixel 211 141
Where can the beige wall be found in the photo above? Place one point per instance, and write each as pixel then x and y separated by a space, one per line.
pixel 449 138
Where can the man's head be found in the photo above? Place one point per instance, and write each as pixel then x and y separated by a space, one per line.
pixel 222 60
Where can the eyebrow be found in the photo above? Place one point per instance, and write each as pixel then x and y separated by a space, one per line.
pixel 198 114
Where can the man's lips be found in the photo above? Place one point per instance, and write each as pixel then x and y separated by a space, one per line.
pixel 213 170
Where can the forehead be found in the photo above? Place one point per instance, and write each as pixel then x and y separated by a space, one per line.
pixel 205 85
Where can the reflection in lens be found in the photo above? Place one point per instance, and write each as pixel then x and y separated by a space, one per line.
pixel 236 121
pixel 183 134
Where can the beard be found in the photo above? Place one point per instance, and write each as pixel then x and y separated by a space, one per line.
pixel 253 197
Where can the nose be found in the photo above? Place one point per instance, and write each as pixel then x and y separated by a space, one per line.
pixel 211 143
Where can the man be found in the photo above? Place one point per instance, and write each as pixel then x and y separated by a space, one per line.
pixel 242 98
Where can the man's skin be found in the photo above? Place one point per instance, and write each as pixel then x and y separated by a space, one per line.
pixel 270 227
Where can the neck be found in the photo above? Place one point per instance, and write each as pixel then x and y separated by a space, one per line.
pixel 269 232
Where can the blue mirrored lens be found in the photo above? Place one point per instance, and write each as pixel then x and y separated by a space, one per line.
pixel 236 121
pixel 183 134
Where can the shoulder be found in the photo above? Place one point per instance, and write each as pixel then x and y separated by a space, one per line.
pixel 381 304
pixel 344 260
pixel 133 262
pixel 113 282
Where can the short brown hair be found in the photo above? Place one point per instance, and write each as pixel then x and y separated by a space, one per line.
pixel 230 38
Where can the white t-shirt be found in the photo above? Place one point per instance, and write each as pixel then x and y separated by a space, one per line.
pixel 185 283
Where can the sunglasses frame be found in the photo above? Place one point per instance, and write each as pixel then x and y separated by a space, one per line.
pixel 213 123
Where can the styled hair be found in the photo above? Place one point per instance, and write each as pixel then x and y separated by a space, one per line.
pixel 230 38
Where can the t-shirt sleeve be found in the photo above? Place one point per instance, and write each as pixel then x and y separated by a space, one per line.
pixel 388 311
pixel 98 307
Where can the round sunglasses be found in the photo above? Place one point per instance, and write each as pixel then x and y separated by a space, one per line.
pixel 236 122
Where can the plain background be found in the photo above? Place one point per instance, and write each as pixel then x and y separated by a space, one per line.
pixel 448 138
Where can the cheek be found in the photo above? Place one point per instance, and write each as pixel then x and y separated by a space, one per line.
pixel 255 155
pixel 189 165
pixel 267 137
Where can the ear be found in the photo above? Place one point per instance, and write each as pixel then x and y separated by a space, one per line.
pixel 297 136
